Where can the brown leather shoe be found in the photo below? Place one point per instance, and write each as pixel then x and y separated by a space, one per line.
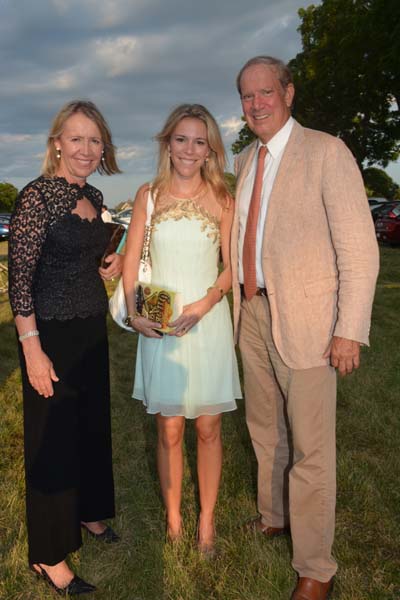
pixel 311 589
pixel 269 532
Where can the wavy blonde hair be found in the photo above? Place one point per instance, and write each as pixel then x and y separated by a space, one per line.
pixel 108 164
pixel 212 172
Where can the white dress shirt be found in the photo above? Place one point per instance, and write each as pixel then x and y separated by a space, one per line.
pixel 276 147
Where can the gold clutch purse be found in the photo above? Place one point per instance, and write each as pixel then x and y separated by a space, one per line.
pixel 157 304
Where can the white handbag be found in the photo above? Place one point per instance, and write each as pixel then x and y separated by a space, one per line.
pixel 117 304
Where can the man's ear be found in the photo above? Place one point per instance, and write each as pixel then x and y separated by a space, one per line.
pixel 289 95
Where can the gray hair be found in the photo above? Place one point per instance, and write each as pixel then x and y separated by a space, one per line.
pixel 282 70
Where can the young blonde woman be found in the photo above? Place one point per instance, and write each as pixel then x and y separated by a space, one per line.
pixel 191 372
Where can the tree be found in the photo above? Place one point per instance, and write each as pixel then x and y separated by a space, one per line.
pixel 346 77
pixel 380 184
pixel 245 137
pixel 8 196
pixel 230 181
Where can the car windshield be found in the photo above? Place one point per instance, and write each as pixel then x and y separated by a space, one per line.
pixel 391 206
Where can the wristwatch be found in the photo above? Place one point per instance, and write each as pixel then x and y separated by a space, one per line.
pixel 128 320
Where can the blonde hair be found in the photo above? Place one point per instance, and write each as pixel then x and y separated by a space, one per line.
pixel 212 172
pixel 283 72
pixel 108 164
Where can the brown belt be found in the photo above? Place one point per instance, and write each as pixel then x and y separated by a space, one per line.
pixel 259 291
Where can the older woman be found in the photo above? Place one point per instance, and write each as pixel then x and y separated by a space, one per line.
pixel 57 238
pixel 191 372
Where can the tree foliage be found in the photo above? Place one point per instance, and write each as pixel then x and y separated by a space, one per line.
pixel 245 137
pixel 8 196
pixel 347 77
pixel 230 181
pixel 380 184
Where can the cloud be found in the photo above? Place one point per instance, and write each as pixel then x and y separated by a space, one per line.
pixel 111 13
pixel 129 152
pixel 65 80
pixel 136 59
pixel 231 126
pixel 16 138
pixel 118 55
pixel 61 6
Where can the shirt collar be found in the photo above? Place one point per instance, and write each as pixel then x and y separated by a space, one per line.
pixel 277 144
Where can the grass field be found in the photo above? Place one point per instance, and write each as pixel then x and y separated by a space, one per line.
pixel 144 567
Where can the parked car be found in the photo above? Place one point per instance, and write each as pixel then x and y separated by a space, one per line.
pixel 387 225
pixel 124 217
pixel 4 226
pixel 380 209
pixel 374 205
pixel 374 202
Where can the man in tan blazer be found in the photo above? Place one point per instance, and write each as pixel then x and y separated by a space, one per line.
pixel 302 308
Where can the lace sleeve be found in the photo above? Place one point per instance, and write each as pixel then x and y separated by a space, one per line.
pixel 28 229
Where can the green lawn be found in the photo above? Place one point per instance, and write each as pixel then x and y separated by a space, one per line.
pixel 144 567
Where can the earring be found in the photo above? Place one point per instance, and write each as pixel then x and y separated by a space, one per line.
pixel 102 156
pixel 58 153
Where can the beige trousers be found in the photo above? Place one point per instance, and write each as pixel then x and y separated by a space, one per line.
pixel 291 416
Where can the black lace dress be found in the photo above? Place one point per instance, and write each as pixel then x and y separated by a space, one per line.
pixel 54 254
pixel 54 257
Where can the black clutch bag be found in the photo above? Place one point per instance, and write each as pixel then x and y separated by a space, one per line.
pixel 116 235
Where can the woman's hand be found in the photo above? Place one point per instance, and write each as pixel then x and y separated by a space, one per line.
pixel 146 327
pixel 115 263
pixel 41 372
pixel 191 315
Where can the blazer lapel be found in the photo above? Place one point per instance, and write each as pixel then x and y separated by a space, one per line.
pixel 243 167
pixel 291 154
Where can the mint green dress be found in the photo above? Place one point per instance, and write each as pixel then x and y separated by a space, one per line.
pixel 195 374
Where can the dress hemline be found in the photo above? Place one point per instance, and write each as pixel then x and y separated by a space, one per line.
pixel 230 407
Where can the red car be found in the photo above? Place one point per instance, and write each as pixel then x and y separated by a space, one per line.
pixel 387 225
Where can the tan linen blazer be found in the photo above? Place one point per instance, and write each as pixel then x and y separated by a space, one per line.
pixel 320 257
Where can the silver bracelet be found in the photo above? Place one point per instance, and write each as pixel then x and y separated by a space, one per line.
pixel 28 334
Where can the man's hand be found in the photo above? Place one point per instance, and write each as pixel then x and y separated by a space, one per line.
pixel 344 354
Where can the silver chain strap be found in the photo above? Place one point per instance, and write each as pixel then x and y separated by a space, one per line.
pixel 145 258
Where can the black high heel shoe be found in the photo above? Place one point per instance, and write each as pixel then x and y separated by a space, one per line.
pixel 76 585
pixel 108 535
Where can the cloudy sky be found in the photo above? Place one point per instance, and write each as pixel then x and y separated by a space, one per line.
pixel 136 59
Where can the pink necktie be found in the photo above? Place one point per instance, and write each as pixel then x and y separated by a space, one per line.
pixel 249 245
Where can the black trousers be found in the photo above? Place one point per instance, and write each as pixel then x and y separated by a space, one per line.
pixel 68 454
